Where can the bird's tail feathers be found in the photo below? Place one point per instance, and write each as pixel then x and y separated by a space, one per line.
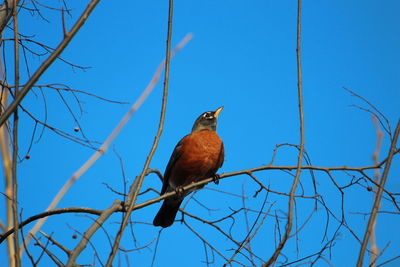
pixel 167 213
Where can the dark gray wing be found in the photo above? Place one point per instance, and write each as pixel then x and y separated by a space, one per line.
pixel 172 160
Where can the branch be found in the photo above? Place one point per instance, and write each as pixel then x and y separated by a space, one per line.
pixel 186 188
pixel 378 196
pixel 7 162
pixel 14 180
pixel 51 255
pixel 136 186
pixel 67 251
pixel 250 235
pixel 376 113
pixel 50 213
pixel 60 48
pixel 300 156
pixel 375 157
pixel 170 194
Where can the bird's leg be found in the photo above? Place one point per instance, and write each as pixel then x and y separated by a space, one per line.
pixel 180 192
pixel 216 178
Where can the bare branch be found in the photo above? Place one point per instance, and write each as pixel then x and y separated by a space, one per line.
pixel 67 251
pixel 45 250
pixel 249 235
pixel 378 196
pixel 376 111
pixel 7 163
pixel 375 159
pixel 136 186
pixel 300 156
pixel 50 213
pixel 14 180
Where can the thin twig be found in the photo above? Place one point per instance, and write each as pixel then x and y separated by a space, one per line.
pixel 219 229
pixel 247 228
pixel 45 250
pixel 50 213
pixel 388 261
pixel 208 244
pixel 249 235
pixel 67 251
pixel 387 127
pixel 48 50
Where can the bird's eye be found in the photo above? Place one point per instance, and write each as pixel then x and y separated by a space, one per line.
pixel 207 115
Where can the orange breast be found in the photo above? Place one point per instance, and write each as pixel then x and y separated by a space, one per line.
pixel 201 155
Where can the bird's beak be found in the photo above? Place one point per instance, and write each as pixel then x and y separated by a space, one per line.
pixel 216 113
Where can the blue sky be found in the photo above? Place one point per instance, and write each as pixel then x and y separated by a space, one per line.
pixel 242 57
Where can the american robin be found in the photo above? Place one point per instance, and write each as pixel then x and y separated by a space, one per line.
pixel 197 156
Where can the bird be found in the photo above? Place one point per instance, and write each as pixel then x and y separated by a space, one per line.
pixel 197 156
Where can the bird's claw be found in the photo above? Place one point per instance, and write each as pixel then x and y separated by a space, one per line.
pixel 179 191
pixel 216 178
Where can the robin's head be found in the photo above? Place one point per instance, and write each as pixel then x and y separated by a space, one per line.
pixel 207 121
